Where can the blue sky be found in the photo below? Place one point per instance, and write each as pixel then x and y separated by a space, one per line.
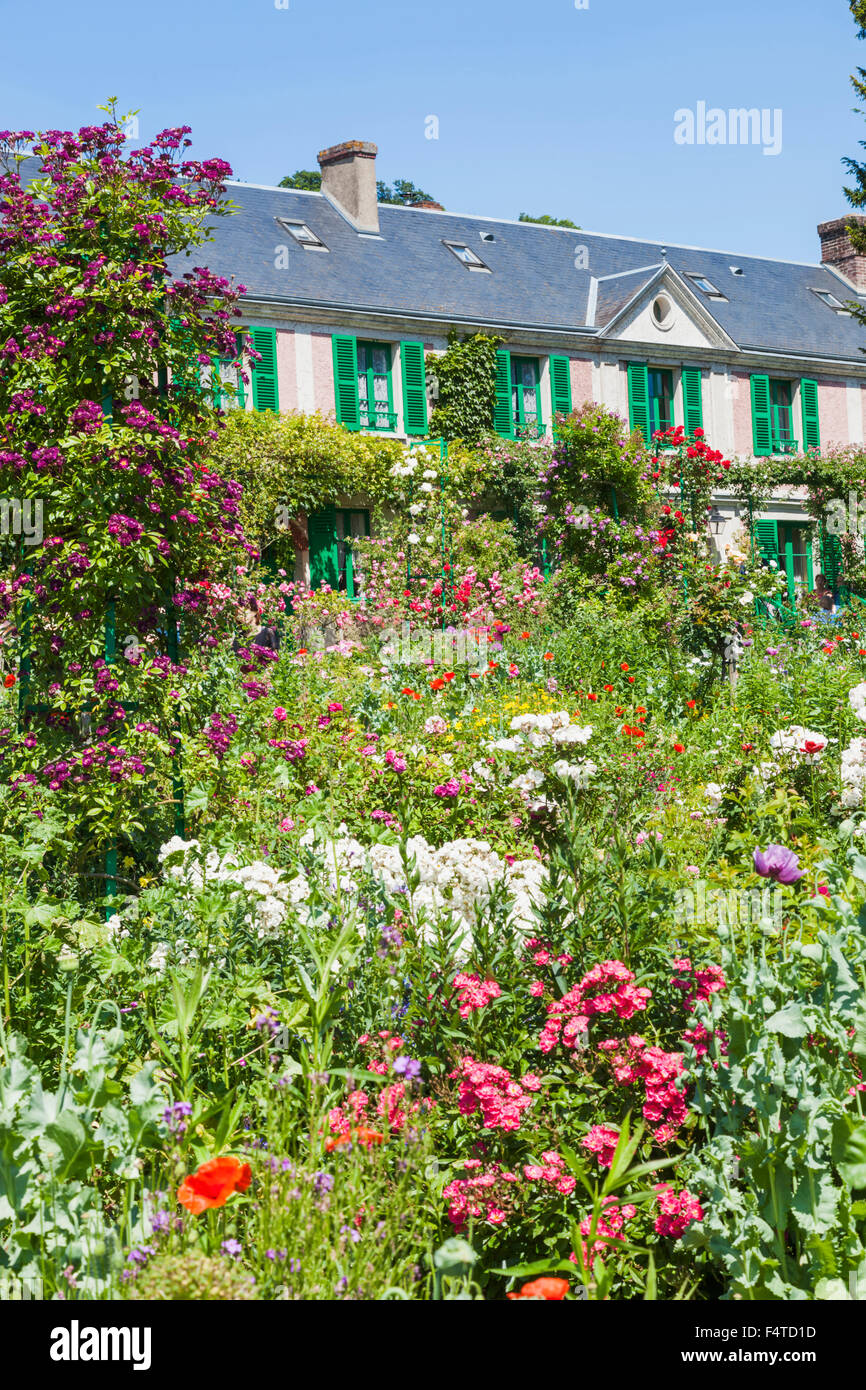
pixel 541 107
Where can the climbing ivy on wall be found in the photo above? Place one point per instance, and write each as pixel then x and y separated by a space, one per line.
pixel 466 379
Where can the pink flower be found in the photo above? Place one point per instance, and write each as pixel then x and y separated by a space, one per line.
pixel 280 714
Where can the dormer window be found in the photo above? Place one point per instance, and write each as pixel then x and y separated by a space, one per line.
pixel 302 234
pixel 466 255
pixel 704 285
pixel 828 298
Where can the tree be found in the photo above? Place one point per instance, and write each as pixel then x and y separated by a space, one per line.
pixel 856 195
pixel 403 194
pixel 309 180
pixel 548 221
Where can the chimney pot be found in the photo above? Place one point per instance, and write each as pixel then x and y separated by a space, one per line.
pixel 349 181
pixel 838 251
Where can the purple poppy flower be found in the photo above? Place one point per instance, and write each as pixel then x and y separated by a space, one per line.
pixel 779 863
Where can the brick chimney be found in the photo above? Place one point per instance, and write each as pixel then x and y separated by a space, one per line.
pixel 837 251
pixel 349 181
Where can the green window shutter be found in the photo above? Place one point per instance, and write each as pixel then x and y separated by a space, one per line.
pixel 638 398
pixel 693 409
pixel 346 381
pixel 809 399
pixel 767 538
pixel 264 372
pixel 831 559
pixel 414 388
pixel 185 379
pixel 503 421
pixel 762 438
pixel 324 560
pixel 560 386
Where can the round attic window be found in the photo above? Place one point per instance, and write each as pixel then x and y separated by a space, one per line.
pixel 663 312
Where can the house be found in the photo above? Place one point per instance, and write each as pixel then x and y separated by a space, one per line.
pixel 345 298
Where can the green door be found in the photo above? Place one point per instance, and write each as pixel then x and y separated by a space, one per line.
pixel 351 525
pixel 795 558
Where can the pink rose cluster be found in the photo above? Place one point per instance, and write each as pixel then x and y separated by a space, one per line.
pixel 677 1210
pixel 483 1197
pixel 697 984
pixel 632 1060
pixel 551 1170
pixel 601 1141
pixel 608 1229
pixel 491 1090
pixel 472 993
pixel 618 994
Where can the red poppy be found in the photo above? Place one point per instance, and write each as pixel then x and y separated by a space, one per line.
pixel 548 656
pixel 213 1183
pixel 679 748
pixel 407 690
pixel 623 665
pixel 590 696
pixel 691 704
pixel 631 680
pixel 449 676
pixel 550 1289
pixel 524 636
pixel 856 634
pixel 473 675
pixel 362 1135
pixel 9 681
pixel 608 688
pixel 493 665
pixel 748 747
pixel 302 651
pixel 639 709
pixel 438 684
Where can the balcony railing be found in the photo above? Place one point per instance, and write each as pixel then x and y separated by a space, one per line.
pixel 378 418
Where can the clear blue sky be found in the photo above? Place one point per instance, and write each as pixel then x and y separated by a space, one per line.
pixel 542 107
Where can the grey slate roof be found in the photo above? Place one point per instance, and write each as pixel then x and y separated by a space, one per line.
pixel 533 283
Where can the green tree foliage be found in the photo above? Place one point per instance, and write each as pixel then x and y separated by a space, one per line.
pixel 402 194
pixel 466 378
pixel 547 221
pixel 308 180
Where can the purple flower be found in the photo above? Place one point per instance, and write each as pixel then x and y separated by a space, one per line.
pixel 231 1247
pixel 779 863
pixel 408 1067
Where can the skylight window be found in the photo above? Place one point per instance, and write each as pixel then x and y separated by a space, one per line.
pixel 302 234
pixel 828 298
pixel 704 285
pixel 466 255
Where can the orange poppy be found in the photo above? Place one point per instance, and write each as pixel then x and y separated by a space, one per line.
pixel 678 748
pixel 213 1183
pixel 363 1136
pixel 524 636
pixel 302 651
pixel 550 1289
pixel 548 656
pixel 438 684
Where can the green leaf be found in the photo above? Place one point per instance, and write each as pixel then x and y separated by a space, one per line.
pixel 789 1022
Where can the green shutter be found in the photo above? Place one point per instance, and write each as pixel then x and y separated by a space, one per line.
pixel 767 538
pixel 503 421
pixel 324 561
pixel 346 381
pixel 762 437
pixel 809 399
pixel 560 386
pixel 186 377
pixel 693 409
pixel 638 398
pixel 264 372
pixel 831 559
pixel 414 388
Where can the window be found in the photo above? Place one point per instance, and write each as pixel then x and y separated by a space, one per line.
pixel 301 234
pixel 737 270
pixel 663 312
pixel 525 397
pixel 826 297
pixel 487 236
pixel 782 418
pixel 704 285
pixel 466 256
pixel 375 397
pixel 660 391
pixel 351 526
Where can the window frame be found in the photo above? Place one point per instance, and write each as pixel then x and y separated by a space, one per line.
pixel 777 443
pixel 696 276
pixel 475 264
pixel 365 345
pixel 655 425
pixel 312 243
pixel 519 423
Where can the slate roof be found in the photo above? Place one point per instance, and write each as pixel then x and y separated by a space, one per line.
pixel 533 284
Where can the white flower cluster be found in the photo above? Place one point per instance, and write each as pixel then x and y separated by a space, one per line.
pixel 183 863
pixel 456 878
pixel 857 701
pixel 854 773
pixel 805 742
pixel 532 732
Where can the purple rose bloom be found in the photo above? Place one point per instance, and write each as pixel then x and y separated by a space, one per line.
pixel 778 863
